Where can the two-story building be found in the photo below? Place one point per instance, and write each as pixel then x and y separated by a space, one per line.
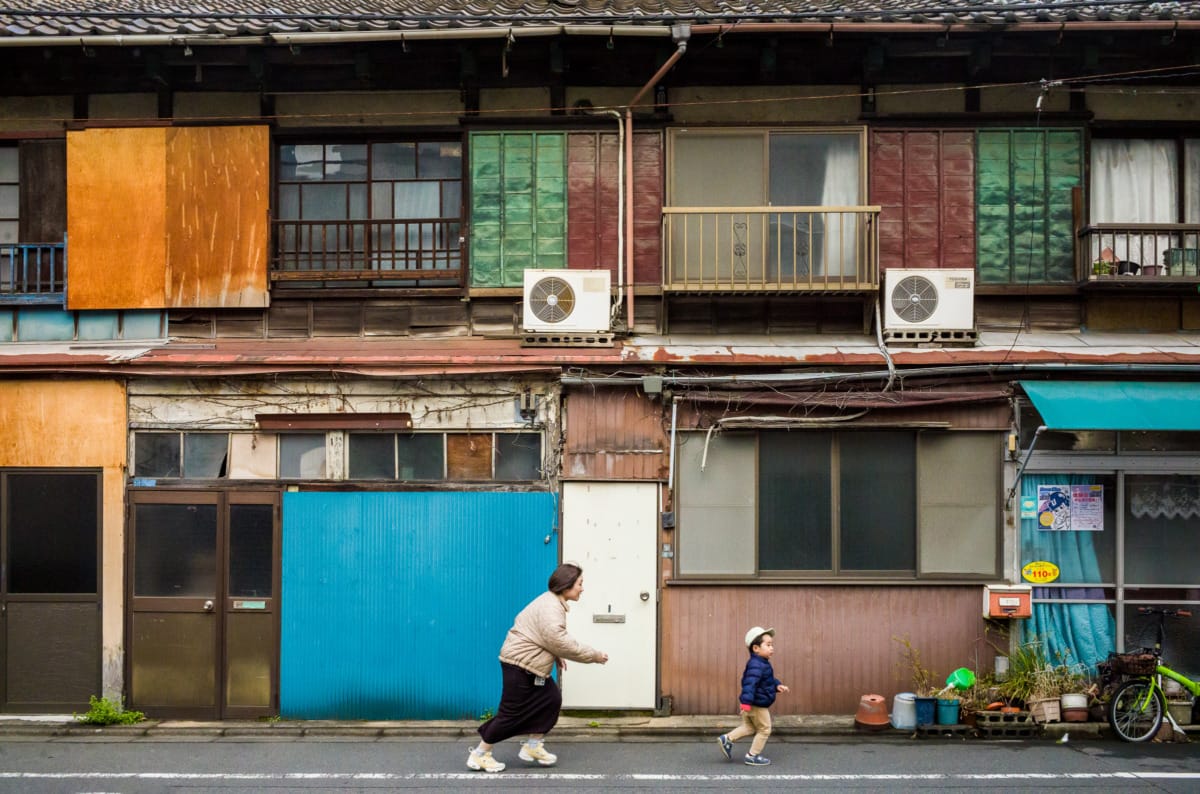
pixel 325 332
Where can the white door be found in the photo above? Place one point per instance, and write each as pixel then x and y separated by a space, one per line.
pixel 611 529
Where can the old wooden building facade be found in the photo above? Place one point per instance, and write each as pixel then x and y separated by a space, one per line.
pixel 324 326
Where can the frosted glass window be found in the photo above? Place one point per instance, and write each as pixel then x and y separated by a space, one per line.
pixel 175 550
pixel 302 456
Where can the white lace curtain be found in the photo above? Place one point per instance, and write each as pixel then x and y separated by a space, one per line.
pixel 1137 181
pixel 1168 498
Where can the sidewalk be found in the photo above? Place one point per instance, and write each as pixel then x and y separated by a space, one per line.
pixel 615 728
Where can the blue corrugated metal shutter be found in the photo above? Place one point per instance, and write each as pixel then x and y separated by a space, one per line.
pixel 395 604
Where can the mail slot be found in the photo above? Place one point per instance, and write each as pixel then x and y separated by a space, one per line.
pixel 606 618
pixel 1007 601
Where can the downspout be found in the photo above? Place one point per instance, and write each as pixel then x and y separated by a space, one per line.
pixel 616 114
pixel 680 35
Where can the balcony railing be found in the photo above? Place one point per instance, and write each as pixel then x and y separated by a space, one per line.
pixel 771 249
pixel 1162 251
pixel 409 250
pixel 33 272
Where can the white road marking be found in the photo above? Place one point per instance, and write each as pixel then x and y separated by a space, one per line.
pixel 566 777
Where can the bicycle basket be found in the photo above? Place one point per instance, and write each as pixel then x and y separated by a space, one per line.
pixel 1133 663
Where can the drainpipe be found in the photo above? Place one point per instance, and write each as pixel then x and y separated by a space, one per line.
pixel 616 114
pixel 680 35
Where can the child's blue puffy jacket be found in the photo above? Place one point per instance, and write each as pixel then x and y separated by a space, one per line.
pixel 759 684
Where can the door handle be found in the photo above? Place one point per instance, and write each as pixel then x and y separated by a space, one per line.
pixel 645 596
pixel 208 606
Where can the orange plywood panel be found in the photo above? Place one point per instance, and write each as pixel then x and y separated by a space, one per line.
pixel 217 182
pixel 116 192
pixel 62 423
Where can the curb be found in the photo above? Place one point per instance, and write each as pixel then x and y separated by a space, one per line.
pixel 579 729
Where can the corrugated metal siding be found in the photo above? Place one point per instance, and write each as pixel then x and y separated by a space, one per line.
pixel 594 208
pixel 925 182
pixel 518 205
pixel 395 604
pixel 1025 225
pixel 833 644
pixel 614 434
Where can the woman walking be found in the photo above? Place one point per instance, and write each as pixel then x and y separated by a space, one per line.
pixel 530 700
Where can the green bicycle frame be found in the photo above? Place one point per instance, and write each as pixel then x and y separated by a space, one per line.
pixel 1188 684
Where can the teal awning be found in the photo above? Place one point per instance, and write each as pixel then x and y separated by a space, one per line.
pixel 1116 405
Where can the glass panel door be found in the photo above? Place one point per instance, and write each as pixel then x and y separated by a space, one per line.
pixel 203 620
pixel 173 627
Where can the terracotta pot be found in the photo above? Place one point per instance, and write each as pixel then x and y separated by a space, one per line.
pixel 872 713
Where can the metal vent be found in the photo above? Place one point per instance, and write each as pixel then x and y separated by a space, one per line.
pixel 914 299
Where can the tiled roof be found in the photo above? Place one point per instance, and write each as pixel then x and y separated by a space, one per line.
pixel 35 18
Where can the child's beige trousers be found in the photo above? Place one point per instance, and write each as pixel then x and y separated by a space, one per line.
pixel 756 721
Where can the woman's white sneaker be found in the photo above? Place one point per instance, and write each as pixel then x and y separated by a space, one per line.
pixel 537 752
pixel 483 762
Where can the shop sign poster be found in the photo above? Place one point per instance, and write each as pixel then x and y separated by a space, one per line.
pixel 1065 508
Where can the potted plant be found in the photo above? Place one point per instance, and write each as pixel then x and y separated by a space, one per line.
pixel 1102 267
pixel 925 682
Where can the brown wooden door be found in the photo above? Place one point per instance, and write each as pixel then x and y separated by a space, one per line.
pixel 49 589
pixel 203 617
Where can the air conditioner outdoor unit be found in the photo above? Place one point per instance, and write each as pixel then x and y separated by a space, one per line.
pixel 575 301
pixel 929 299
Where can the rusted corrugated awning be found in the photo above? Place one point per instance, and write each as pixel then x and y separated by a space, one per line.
pixel 845 399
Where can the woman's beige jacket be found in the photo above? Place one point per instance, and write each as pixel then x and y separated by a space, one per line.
pixel 539 636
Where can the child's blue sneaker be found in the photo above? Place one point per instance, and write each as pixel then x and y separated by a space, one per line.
pixel 726 746
pixel 757 760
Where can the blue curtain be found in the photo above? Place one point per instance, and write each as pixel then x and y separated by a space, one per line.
pixel 1071 633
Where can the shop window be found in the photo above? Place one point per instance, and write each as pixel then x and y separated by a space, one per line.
pixel 1162 521
pixel 839 504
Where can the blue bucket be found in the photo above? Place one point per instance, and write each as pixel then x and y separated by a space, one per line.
pixel 926 710
pixel 947 712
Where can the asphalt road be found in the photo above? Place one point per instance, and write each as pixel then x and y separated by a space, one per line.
pixel 102 765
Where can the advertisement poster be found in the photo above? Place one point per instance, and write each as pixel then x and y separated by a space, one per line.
pixel 1066 508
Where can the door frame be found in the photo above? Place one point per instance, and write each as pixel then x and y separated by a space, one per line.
pixel 223 498
pixel 6 572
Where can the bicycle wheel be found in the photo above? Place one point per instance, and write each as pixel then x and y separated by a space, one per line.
pixel 1136 710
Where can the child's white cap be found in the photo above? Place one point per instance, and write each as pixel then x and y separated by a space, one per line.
pixel 753 633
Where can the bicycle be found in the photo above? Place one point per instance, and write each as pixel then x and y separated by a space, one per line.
pixel 1138 706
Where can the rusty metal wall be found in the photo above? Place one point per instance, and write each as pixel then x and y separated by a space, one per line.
pixel 924 180
pixel 116 215
pixel 593 164
pixel 834 643
pixel 160 218
pixel 216 216
pixel 615 434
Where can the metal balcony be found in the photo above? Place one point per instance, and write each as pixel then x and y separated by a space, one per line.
pixel 33 272
pixel 771 249
pixel 1164 252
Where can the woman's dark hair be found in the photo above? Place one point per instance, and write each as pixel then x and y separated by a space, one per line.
pixel 564 578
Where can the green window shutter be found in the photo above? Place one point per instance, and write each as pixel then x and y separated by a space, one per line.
pixel 1023 204
pixel 518 205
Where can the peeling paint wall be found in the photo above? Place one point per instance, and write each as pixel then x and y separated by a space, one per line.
pixel 78 424
pixel 436 405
